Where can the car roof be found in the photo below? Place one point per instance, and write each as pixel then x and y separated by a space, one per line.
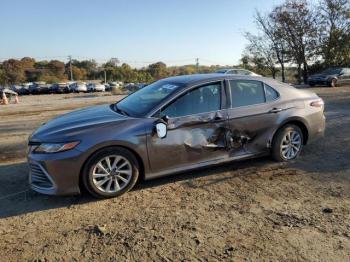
pixel 198 78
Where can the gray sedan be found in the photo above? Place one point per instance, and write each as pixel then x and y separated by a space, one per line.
pixel 171 126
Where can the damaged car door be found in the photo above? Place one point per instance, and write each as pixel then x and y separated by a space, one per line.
pixel 196 122
pixel 252 114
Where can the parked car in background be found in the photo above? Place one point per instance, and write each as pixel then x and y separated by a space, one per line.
pixel 171 126
pixel 236 71
pixel 90 87
pixel 18 89
pixel 44 88
pixel 107 87
pixel 118 84
pixel 100 88
pixel 132 87
pixel 72 86
pixel 60 88
pixel 80 87
pixel 22 89
pixel 141 85
pixel 331 77
pixel 39 88
pixel 34 89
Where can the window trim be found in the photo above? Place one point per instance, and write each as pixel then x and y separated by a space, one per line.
pixel 223 99
pixel 273 100
pixel 264 88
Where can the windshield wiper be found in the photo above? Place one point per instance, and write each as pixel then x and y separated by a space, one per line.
pixel 117 109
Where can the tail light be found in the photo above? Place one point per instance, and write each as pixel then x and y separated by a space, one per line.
pixel 317 103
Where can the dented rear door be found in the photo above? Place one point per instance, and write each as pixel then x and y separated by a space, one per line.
pixel 251 118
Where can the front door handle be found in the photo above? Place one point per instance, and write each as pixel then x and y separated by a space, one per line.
pixel 275 110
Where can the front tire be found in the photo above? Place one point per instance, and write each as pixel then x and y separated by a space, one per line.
pixel 333 83
pixel 110 172
pixel 287 143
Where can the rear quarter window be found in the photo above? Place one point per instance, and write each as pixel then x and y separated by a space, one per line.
pixel 271 94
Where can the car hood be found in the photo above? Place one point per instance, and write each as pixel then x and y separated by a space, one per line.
pixel 76 123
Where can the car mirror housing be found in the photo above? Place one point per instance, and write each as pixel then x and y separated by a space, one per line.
pixel 161 130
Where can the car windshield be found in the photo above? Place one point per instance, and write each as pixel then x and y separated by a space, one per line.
pixel 139 103
pixel 332 71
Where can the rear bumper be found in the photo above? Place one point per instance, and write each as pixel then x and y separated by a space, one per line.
pixel 317 127
pixel 55 174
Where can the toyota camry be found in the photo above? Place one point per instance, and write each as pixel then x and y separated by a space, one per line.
pixel 171 126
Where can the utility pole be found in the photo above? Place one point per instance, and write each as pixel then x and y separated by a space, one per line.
pixel 70 67
pixel 197 65
pixel 105 76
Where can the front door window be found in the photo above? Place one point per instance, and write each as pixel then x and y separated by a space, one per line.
pixel 200 100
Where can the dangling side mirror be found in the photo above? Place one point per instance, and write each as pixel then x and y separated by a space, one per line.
pixel 161 130
pixel 161 126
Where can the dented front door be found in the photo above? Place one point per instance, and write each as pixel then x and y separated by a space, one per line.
pixel 190 140
pixel 195 130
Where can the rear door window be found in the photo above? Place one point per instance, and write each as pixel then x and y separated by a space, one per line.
pixel 246 93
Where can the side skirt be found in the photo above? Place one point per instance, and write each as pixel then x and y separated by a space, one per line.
pixel 214 162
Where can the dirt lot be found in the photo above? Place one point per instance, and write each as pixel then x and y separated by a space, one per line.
pixel 250 210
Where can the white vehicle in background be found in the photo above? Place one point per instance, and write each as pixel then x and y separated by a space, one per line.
pixel 100 87
pixel 80 87
pixel 236 71
pixel 118 84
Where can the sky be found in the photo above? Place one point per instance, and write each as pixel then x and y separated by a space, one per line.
pixel 138 32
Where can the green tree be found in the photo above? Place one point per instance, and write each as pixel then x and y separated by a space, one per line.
pixel 297 25
pixel 90 67
pixel 28 63
pixel 158 70
pixel 56 68
pixel 2 76
pixel 260 51
pixel 14 71
pixel 272 35
pixel 334 21
pixel 78 73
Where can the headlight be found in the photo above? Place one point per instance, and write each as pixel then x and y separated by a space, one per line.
pixel 55 147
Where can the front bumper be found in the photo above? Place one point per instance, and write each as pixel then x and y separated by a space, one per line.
pixel 55 174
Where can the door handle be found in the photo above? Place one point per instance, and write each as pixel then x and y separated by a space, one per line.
pixel 275 110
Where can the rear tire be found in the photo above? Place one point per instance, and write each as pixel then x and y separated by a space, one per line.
pixel 287 143
pixel 118 174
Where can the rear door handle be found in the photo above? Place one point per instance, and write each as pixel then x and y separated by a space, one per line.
pixel 275 110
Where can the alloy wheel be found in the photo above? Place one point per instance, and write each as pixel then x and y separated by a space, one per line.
pixel 112 174
pixel 291 145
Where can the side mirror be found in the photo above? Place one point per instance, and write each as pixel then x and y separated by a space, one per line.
pixel 161 129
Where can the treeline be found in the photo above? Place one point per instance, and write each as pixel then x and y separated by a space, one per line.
pixel 298 34
pixel 27 69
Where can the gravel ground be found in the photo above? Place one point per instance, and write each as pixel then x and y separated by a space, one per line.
pixel 250 210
